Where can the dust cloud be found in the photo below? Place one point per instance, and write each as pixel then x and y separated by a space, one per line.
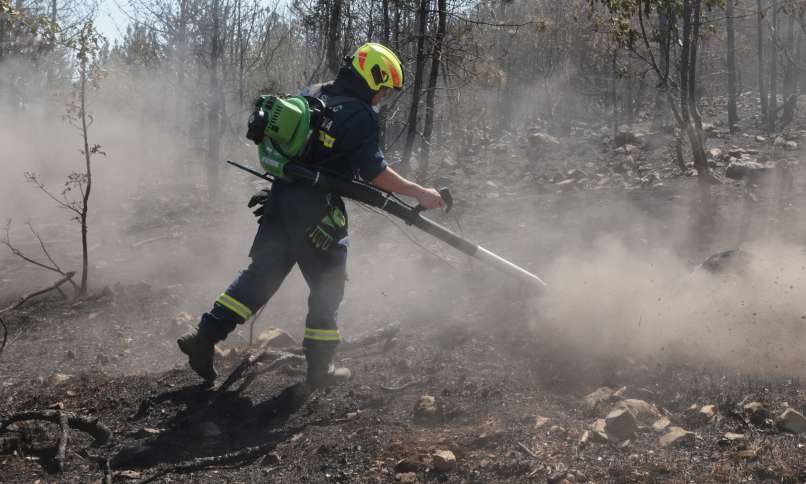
pixel 612 300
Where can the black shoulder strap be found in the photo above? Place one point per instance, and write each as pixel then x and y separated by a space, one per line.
pixel 333 101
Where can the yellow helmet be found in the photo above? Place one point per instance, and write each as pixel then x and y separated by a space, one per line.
pixel 379 66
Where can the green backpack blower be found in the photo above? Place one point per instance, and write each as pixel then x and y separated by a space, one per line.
pixel 283 127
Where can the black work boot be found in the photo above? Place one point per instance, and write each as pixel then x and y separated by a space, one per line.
pixel 321 371
pixel 200 349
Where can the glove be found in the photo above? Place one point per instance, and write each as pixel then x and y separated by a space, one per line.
pixel 332 227
pixel 320 237
pixel 260 198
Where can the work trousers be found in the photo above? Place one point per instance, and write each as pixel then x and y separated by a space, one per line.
pixel 280 244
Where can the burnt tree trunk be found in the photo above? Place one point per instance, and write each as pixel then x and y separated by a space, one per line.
pixel 692 123
pixel 411 131
pixel 334 37
pixel 733 115
pixel 772 104
pixel 433 76
pixel 214 106
pixel 762 90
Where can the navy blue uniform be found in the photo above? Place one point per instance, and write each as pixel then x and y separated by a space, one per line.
pixel 347 145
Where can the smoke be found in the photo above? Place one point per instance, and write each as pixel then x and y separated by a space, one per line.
pixel 612 300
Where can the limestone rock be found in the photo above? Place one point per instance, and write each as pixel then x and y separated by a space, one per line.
pixel 426 410
pixel 620 425
pixel 602 396
pixel 643 411
pixel 729 261
pixel 708 412
pixel 597 432
pixel 676 435
pixel 276 338
pixel 733 437
pixel 413 463
pixel 756 412
pixel 443 460
pixel 406 478
pixel 272 459
pixel 58 378
pixel 792 421
pixel 540 422
pixel 661 424
pixel 741 169
pixel 715 154
pixel 539 138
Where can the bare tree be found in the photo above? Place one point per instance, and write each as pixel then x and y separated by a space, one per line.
pixel 733 115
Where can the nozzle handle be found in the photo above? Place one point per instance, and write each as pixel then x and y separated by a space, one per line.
pixel 445 193
pixel 446 197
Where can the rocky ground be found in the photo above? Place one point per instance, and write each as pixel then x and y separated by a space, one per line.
pixel 465 390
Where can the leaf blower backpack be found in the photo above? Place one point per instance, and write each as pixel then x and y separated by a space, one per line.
pixel 282 128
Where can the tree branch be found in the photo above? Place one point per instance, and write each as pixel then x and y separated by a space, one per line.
pixel 34 294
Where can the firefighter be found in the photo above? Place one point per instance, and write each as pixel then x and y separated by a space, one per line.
pixel 300 225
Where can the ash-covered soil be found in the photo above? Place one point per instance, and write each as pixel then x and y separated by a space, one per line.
pixel 473 388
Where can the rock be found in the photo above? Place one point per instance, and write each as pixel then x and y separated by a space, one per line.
pixel 540 422
pixel 792 421
pixel 146 432
pixel 537 139
pixel 756 412
pixel 276 338
pixel 741 169
pixel 443 460
pixel 411 464
pixel 733 437
pixel 183 318
pixel 577 174
pixel 426 410
pixel 643 411
pixel 715 154
pixel 271 459
pixel 791 145
pixel 761 139
pixel 406 477
pixel 624 137
pixel 620 425
pixel 676 435
pixel 58 378
pixel 485 439
pixel 602 396
pixel 729 261
pixel 661 424
pixel 708 412
pixel 222 352
pixel 128 474
pixel 597 432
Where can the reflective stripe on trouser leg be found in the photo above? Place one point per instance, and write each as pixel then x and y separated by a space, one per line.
pixel 325 335
pixel 234 305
